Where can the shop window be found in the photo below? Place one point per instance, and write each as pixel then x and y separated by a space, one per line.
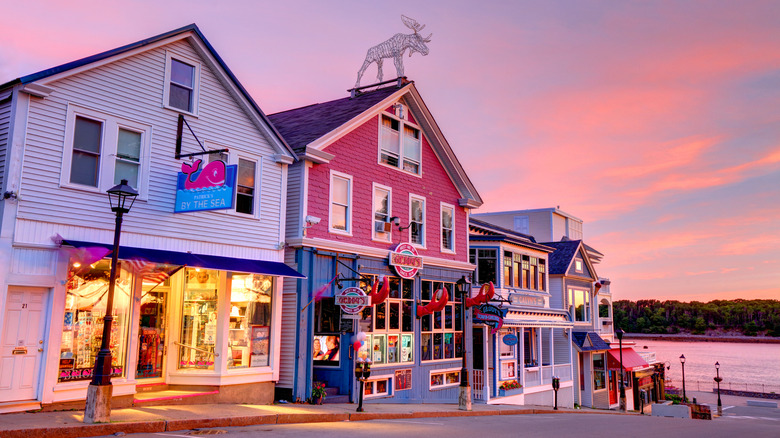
pixel 508 369
pixel 182 77
pixel 442 332
pixel 250 320
pixel 389 325
pixel 444 378
pixel 531 347
pixel 447 228
pixel 486 261
pixel 85 307
pixel 376 388
pixel 579 304
pixel 417 221
pixel 245 190
pixel 599 380
pixel 152 324
pixel 199 319
pixel 382 213
pixel 340 203
pixel 400 151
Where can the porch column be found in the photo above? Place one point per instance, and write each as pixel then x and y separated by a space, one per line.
pixel 521 355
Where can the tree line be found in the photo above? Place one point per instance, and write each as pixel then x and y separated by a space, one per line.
pixel 748 317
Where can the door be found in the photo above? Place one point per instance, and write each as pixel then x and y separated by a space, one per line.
pixel 22 343
pixel 613 387
pixel 152 331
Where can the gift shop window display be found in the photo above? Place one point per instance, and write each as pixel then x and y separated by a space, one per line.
pixel 441 331
pixel 389 325
pixel 152 325
pixel 199 319
pixel 86 293
pixel 250 320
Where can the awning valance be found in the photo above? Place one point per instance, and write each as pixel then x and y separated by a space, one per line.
pixel 197 260
pixel 631 360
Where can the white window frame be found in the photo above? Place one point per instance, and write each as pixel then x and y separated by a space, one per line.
pixel 350 204
pixel 169 55
pixel 444 372
pixel 587 303
pixel 578 265
pixel 108 149
pixel 401 124
pixel 374 234
pixel 412 198
pixel 232 159
pixel 442 207
pixel 373 381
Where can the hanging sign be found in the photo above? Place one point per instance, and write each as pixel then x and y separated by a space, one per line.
pixel 489 315
pixel 352 300
pixel 406 260
pixel 212 188
pixel 510 339
pixel 526 300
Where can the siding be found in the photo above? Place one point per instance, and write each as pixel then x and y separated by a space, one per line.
pixel 132 88
pixel 556 293
pixel 5 125
pixel 295 178
pixel 560 347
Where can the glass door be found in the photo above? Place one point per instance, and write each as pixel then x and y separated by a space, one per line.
pixel 152 326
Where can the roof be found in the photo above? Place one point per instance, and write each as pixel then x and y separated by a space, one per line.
pixel 43 74
pixel 564 252
pixel 631 360
pixel 589 341
pixel 487 232
pixel 301 126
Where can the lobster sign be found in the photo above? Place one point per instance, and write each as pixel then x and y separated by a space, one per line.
pixel 210 188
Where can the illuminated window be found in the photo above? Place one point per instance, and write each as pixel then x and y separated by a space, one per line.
pixel 397 150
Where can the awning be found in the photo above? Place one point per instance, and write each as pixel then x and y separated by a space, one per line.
pixel 531 317
pixel 588 341
pixel 197 260
pixel 631 360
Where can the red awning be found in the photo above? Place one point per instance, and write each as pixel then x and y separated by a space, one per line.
pixel 631 360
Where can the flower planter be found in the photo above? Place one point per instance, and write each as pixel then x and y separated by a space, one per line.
pixel 508 392
pixel 316 400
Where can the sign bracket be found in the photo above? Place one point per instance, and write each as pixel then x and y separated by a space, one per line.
pixel 179 131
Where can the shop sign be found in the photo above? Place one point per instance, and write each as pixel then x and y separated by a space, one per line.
pixel 406 260
pixel 509 339
pixel 526 300
pixel 212 188
pixel 352 300
pixel 489 315
pixel 84 373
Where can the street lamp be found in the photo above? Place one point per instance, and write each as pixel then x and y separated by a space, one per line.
pixel 718 379
pixel 619 334
pixel 98 408
pixel 464 394
pixel 682 361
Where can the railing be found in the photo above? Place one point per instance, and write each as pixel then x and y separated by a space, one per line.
pixel 478 386
pixel 563 372
pixel 698 385
pixel 532 377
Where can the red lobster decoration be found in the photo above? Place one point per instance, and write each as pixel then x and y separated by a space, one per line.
pixel 434 305
pixel 381 295
pixel 486 292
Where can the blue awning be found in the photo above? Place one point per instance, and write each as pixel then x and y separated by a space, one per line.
pixel 197 260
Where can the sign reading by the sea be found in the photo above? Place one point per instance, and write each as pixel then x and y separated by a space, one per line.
pixel 352 300
pixel 212 188
pixel 406 261
pixel 489 315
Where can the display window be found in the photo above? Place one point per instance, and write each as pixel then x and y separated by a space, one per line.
pixel 389 325
pixel 86 295
pixel 442 332
pixel 152 323
pixel 199 319
pixel 250 320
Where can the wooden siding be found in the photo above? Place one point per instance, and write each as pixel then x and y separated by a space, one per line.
pixel 5 126
pixel 132 88
pixel 585 271
pixel 556 293
pixel 561 347
pixel 295 181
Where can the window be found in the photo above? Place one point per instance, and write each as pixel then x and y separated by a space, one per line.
pixel 382 213
pixel 531 347
pixel 534 273
pixel 101 150
pixel 526 271
pixel 389 326
pixel 245 190
pixel 508 269
pixel 250 320
pixel 599 380
pixel 579 305
pixel 397 150
pixel 340 203
pixel 375 388
pixel 604 309
pixel 417 221
pixel 199 319
pixel 442 332
pixel 445 378
pixel 517 268
pixel 447 228
pixel 182 77
pixel 542 275
pixel 578 266
pixel 485 259
pixel 521 224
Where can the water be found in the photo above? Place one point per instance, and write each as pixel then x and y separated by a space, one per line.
pixel 741 364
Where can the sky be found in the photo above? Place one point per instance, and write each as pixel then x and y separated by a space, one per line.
pixel 655 122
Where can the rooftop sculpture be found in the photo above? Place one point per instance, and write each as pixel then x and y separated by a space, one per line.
pixel 395 48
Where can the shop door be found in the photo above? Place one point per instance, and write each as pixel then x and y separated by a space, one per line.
pixel 22 343
pixel 613 387
pixel 152 332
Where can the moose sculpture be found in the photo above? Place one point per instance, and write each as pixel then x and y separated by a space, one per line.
pixel 395 48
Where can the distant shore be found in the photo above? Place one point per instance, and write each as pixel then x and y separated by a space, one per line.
pixel 702 338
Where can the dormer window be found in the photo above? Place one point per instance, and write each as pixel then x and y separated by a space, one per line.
pixel 400 145
pixel 182 77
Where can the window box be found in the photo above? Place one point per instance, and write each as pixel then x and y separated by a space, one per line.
pixel 508 392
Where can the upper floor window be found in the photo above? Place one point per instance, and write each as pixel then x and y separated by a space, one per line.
pixel 182 77
pixel 542 274
pixel 340 203
pixel 579 304
pixel 508 269
pixel 400 145
pixel 382 229
pixel 485 259
pixel 101 150
pixel 447 228
pixel 246 201
pixel 417 221
pixel 578 266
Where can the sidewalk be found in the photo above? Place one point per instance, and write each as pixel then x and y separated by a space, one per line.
pixel 68 424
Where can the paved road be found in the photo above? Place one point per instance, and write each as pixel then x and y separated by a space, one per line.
pixel 543 425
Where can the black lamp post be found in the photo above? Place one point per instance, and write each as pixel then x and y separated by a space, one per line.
pixel 464 394
pixel 98 408
pixel 362 372
pixel 718 380
pixel 682 361
pixel 619 333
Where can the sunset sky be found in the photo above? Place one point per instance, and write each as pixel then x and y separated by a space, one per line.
pixel 657 123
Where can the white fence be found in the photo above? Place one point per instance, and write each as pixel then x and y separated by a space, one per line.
pixel 707 386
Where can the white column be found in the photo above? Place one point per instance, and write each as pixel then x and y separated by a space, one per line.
pixel 521 355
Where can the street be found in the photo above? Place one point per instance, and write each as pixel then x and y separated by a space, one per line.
pixel 542 425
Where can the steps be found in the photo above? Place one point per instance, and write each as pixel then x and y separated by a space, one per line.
pixel 333 396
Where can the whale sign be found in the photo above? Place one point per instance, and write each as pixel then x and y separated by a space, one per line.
pixel 489 315
pixel 210 188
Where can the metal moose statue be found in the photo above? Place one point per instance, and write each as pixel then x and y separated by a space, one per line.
pixel 395 48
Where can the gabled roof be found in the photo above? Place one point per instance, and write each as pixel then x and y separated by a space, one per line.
pixel 589 341
pixel 560 260
pixel 481 231
pixel 314 127
pixel 118 52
